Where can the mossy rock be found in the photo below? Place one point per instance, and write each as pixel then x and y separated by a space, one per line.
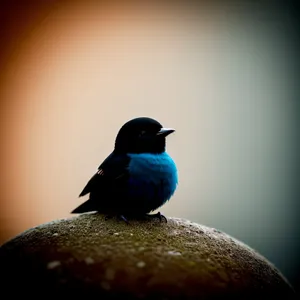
pixel 89 256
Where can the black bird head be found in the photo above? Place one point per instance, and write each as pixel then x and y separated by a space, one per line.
pixel 142 135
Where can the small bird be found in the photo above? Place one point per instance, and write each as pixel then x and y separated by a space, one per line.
pixel 138 177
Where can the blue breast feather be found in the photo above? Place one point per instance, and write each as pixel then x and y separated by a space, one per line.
pixel 152 176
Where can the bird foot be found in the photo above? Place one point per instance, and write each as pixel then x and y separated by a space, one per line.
pixel 107 217
pixel 151 216
pixel 159 216
pixel 121 217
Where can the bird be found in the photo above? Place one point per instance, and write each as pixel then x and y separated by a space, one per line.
pixel 137 178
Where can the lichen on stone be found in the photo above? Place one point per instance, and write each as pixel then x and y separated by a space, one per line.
pixel 88 255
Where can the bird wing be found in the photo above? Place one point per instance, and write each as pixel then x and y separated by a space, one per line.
pixel 113 169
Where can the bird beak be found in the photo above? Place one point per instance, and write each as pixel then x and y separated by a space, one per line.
pixel 165 131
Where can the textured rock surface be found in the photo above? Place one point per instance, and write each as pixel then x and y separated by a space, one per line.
pixel 146 259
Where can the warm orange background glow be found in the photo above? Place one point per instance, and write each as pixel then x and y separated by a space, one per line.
pixel 75 80
pixel 75 71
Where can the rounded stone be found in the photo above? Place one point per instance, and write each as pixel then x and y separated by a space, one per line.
pixel 89 256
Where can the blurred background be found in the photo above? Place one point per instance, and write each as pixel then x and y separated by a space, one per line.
pixel 224 74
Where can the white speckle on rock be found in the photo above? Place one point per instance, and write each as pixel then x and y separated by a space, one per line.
pixel 89 260
pixel 141 264
pixel 110 274
pixel 131 234
pixel 105 285
pixel 53 264
pixel 55 234
pixel 116 233
pixel 174 253
pixel 173 232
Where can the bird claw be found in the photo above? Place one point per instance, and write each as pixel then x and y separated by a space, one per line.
pixel 108 217
pixel 123 219
pixel 159 216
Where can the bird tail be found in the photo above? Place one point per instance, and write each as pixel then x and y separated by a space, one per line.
pixel 85 207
